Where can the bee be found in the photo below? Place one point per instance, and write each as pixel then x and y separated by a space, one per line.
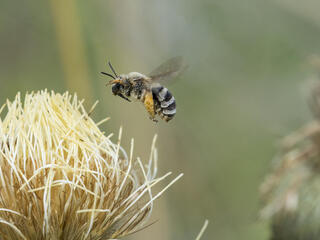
pixel 146 88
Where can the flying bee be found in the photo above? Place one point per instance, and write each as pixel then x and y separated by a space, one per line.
pixel 146 88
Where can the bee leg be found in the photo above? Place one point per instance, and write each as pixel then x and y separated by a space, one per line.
pixel 121 95
pixel 153 119
pixel 149 105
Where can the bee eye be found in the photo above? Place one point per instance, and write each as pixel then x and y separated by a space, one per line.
pixel 116 88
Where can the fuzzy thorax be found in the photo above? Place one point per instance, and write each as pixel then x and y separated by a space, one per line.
pixel 62 178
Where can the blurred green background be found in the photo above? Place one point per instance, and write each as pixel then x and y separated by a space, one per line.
pixel 245 88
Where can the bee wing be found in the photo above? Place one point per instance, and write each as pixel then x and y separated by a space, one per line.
pixel 169 69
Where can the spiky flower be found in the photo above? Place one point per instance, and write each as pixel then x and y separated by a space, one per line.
pixel 62 178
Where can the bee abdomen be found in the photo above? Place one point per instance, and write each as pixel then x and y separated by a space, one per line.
pixel 167 103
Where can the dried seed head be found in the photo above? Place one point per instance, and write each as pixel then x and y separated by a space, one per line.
pixel 62 178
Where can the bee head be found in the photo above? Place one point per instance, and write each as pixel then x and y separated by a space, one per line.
pixel 117 83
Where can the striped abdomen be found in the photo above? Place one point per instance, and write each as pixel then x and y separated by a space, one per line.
pixel 165 104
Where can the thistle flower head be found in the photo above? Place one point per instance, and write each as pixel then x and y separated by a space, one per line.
pixel 62 178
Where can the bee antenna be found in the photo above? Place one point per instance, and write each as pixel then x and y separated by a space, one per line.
pixel 114 72
pixel 108 74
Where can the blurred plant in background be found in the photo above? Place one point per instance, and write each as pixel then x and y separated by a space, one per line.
pixel 291 193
